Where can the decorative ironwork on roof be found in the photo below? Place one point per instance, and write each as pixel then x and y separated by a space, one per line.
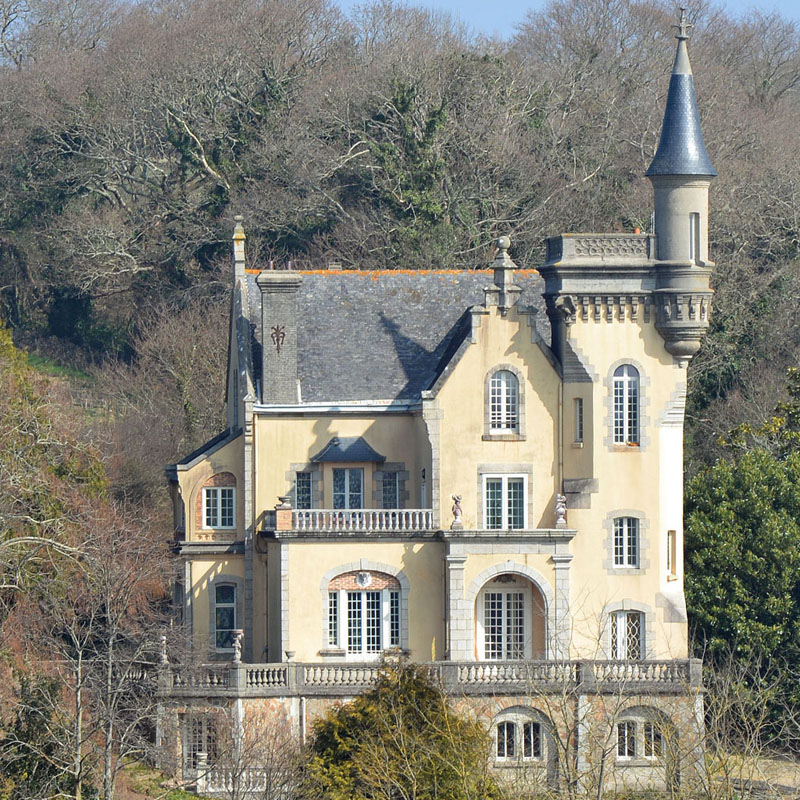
pixel 681 150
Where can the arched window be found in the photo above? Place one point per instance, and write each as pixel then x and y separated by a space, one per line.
pixel 643 733
pixel 503 402
pixel 626 405
pixel 217 509
pixel 509 616
pixel 364 613
pixel 521 734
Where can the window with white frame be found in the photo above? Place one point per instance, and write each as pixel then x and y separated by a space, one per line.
pixel 518 738
pixel 225 615
pixel 627 635
pixel 626 405
pixel 302 490
pixel 503 402
pixel 639 738
pixel 504 619
pixel 505 502
pixel 348 487
pixel 364 613
pixel 218 507
pixel 626 542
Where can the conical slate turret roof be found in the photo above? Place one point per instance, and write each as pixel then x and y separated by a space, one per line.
pixel 681 150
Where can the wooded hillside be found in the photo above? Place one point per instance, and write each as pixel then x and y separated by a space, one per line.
pixel 134 132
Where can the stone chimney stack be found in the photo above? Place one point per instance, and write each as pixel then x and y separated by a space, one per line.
pixel 279 335
pixel 238 249
pixel 503 293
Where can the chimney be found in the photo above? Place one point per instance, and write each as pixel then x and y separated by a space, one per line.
pixel 279 335
pixel 503 293
pixel 238 249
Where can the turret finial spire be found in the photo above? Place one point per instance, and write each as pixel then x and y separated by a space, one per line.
pixel 683 26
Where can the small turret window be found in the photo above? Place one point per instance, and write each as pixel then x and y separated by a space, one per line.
pixel 694 237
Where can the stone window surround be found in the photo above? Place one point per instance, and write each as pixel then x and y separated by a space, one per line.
pixel 238 584
pixel 363 565
pixel 608 404
pixel 403 477
pixel 608 542
pixel 316 482
pixel 639 715
pixel 648 629
pixel 504 470
pixel 520 715
pixel 536 578
pixel 490 435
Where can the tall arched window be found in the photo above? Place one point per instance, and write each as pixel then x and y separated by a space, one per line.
pixel 626 405
pixel 503 402
pixel 509 616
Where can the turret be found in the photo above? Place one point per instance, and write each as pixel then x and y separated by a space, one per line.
pixel 681 173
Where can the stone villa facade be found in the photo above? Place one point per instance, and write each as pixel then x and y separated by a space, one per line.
pixel 482 470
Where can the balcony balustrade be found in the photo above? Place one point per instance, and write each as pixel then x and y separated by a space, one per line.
pixel 362 519
pixel 482 677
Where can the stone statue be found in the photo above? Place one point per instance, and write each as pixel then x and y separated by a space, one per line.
pixel 457 524
pixel 561 511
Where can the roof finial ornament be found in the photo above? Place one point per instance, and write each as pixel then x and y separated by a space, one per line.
pixel 683 25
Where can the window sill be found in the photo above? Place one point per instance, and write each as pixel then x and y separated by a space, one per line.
pixel 503 437
pixel 333 652
pixel 577 445
pixel 517 763
pixel 638 762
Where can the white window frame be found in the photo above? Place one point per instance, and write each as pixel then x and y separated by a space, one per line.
pixel 212 499
pixel 619 636
pixel 626 402
pixel 513 726
pixel 339 618
pixel 504 483
pixel 200 735
pixel 504 402
pixel 643 736
pixel 347 473
pixel 509 650
pixel 627 543
pixel 672 554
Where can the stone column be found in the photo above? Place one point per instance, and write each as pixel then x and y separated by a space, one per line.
pixel 459 615
pixel 561 634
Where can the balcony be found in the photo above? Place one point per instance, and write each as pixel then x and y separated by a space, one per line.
pixel 393 520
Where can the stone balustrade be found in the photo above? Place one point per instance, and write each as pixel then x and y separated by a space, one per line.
pixel 474 678
pixel 388 520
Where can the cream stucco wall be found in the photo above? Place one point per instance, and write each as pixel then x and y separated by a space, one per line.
pixel 644 481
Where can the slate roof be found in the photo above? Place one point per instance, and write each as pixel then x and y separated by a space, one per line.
pixel 681 150
pixel 347 448
pixel 383 335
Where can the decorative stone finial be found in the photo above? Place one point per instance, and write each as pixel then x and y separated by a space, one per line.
pixel 238 248
pixel 456 524
pixel 164 659
pixel 503 293
pixel 561 511
pixel 683 26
